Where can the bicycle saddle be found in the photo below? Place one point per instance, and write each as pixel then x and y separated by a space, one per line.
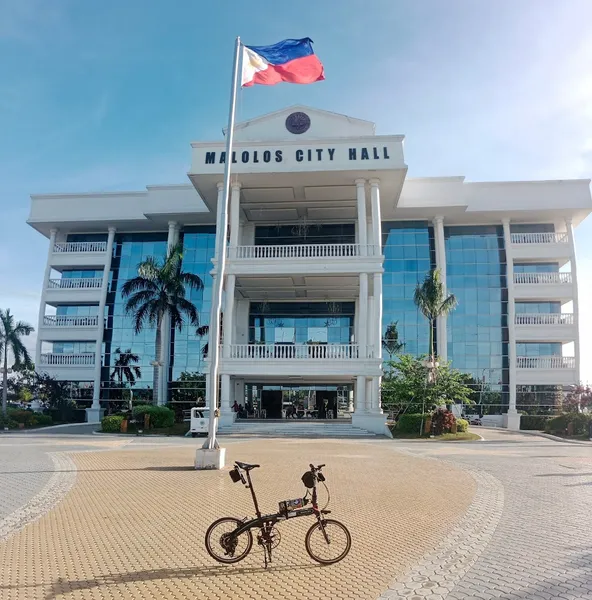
pixel 245 466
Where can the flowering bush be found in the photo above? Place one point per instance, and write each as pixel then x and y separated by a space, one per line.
pixel 442 421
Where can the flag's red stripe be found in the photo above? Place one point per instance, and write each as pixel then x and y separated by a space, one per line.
pixel 307 69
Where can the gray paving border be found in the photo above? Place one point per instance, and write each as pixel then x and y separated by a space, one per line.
pixel 438 572
pixel 59 484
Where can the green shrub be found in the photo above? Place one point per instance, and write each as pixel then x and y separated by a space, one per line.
pixel 40 420
pixel 534 422
pixel 462 425
pixel 411 423
pixel 21 416
pixel 557 424
pixel 7 422
pixel 112 424
pixel 160 416
pixel 560 424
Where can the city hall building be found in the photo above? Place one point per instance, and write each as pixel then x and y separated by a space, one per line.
pixel 328 239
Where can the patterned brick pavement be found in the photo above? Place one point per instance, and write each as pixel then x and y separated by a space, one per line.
pixel 541 548
pixel 133 524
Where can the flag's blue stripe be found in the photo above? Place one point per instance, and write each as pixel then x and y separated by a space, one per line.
pixel 284 51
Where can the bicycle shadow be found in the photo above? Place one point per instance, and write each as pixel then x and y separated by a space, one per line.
pixel 62 587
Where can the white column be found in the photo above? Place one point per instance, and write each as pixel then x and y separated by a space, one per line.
pixel 234 217
pixel 363 316
pixel 228 319
pixel 225 400
pixel 164 358
pixel 376 216
pixel 377 326
pixel 362 226
pixel 360 394
pixel 575 302
pixel 370 329
pixel 441 324
pixel 512 420
pixel 93 414
pixel 52 239
pixel 220 202
pixel 368 405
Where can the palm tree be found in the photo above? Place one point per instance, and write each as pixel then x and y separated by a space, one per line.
pixel 10 339
pixel 124 369
pixel 204 330
pixel 390 341
pixel 159 290
pixel 431 300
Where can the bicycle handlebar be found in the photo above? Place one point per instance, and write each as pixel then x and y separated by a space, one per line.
pixel 314 469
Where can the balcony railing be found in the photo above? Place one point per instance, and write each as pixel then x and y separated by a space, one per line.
pixel 82 283
pixel 539 238
pixel 542 278
pixel 68 360
pixel 544 319
pixel 545 362
pixel 61 247
pixel 303 251
pixel 70 321
pixel 295 352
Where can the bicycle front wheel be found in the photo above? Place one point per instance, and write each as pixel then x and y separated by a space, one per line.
pixel 328 541
pixel 223 545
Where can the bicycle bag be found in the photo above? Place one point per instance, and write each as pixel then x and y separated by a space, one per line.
pixel 308 479
pixel 235 475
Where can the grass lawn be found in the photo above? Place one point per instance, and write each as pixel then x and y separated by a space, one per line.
pixel 458 437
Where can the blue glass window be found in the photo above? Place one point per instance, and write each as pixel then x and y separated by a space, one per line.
pixel 409 256
pixel 477 328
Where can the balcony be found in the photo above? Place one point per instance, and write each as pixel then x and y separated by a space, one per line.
pixel 540 246
pixel 75 289
pixel 298 360
pixel 543 286
pixel 65 327
pixel 545 370
pixel 303 258
pixel 79 254
pixel 548 327
pixel 69 321
pixel 65 367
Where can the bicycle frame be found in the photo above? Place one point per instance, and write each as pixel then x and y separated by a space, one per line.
pixel 273 518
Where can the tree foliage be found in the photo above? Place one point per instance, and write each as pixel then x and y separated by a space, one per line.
pixel 11 334
pixel 432 301
pixel 160 289
pixel 405 386
pixel 390 341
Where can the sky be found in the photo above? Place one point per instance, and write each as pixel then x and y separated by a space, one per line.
pixel 103 96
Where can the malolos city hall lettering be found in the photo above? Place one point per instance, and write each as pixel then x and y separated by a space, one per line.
pixel 300 155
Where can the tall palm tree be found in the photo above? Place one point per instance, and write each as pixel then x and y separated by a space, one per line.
pixel 11 333
pixel 159 290
pixel 432 302
pixel 204 330
pixel 124 371
pixel 390 340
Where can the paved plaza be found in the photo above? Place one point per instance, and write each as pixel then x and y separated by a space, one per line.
pixel 89 517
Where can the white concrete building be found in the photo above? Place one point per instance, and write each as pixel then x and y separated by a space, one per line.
pixel 327 241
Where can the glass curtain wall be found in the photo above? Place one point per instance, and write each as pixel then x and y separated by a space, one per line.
pixel 478 327
pixel 120 338
pixel 189 348
pixel 408 248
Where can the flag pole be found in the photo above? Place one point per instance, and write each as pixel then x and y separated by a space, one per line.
pixel 221 233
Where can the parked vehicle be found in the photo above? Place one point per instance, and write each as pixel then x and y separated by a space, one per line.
pixel 200 421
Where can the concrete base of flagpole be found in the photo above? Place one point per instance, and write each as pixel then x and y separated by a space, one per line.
pixel 210 459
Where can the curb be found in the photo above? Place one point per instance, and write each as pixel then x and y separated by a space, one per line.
pixel 542 434
pixel 49 427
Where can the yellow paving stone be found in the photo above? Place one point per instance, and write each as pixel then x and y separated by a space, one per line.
pixel 133 524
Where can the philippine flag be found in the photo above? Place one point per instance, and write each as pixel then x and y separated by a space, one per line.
pixel 292 61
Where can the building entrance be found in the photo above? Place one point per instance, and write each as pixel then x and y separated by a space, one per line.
pixel 292 402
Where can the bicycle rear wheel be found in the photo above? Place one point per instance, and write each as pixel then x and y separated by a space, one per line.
pixel 328 541
pixel 225 547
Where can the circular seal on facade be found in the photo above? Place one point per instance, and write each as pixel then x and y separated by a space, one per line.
pixel 298 123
